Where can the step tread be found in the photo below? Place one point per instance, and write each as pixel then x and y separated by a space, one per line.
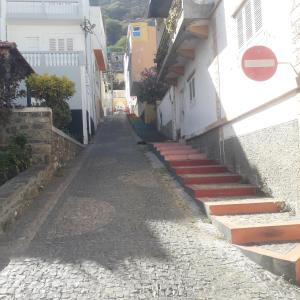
pixel 201 167
pixel 220 186
pixel 208 175
pixel 260 219
pixel 281 248
pixel 232 198
pixel 243 201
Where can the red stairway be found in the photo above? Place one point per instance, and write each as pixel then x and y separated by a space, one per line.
pixel 244 217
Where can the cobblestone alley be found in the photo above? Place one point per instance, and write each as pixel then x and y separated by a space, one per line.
pixel 111 226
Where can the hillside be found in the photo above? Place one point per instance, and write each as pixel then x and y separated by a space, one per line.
pixel 117 14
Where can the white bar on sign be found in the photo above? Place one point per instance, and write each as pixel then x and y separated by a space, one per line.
pixel 260 63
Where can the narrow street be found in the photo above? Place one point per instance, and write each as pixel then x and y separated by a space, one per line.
pixel 110 226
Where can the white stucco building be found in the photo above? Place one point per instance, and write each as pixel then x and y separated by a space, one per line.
pixel 251 126
pixel 64 38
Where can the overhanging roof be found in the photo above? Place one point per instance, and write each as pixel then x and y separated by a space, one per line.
pixel 159 8
pixel 100 59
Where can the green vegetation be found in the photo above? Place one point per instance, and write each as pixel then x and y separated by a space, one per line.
pixel 12 72
pixel 15 159
pixel 117 14
pixel 54 92
pixel 150 89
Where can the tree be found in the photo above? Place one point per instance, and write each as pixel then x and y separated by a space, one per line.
pixel 12 72
pixel 113 31
pixel 150 88
pixel 54 92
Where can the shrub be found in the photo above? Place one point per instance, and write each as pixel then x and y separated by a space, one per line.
pixel 12 72
pixel 15 159
pixel 150 88
pixel 54 92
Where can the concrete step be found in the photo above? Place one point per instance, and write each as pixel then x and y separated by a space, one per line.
pixel 178 151
pixel 176 157
pixel 171 146
pixel 222 190
pixel 260 228
pixel 192 163
pixel 210 178
pixel 242 206
pixel 210 169
pixel 282 259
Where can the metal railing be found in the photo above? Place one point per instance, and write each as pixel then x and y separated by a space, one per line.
pixel 40 8
pixel 54 59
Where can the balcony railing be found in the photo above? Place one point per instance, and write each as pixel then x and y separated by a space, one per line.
pixel 54 59
pixel 44 9
pixel 182 13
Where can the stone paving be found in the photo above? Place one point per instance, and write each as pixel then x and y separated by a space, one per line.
pixel 120 230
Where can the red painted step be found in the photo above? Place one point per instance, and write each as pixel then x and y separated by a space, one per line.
pixel 222 190
pixel 192 163
pixel 179 151
pixel 210 178
pixel 184 157
pixel 201 169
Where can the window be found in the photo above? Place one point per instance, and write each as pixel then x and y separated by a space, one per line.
pixel 192 89
pixel 136 31
pixel 52 45
pixel 248 21
pixel 61 44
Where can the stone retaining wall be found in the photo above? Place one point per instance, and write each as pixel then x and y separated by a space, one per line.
pixel 51 149
pixel 36 124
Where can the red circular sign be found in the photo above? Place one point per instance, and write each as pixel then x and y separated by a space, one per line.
pixel 259 63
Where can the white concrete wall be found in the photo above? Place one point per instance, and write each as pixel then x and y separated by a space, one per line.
pixel 2 20
pixel 222 89
pixel 239 94
pixel 91 79
pixel 165 110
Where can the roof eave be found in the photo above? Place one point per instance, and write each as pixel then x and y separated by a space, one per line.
pixel 159 8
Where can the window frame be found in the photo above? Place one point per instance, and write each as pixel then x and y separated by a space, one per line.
pixel 192 87
pixel 248 22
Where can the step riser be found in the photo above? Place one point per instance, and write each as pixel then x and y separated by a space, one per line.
pixel 282 233
pixel 225 192
pixel 212 180
pixel 181 152
pixel 239 209
pixel 203 170
pixel 173 148
pixel 184 157
pixel 184 163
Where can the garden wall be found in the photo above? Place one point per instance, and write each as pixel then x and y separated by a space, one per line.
pixel 49 144
pixel 51 149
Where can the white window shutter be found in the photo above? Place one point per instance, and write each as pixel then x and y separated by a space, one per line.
pixel 52 45
pixel 240 29
pixel 70 44
pixel 61 44
pixel 248 21
pixel 257 14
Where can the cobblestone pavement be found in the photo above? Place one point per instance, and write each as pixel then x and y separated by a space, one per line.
pixel 118 231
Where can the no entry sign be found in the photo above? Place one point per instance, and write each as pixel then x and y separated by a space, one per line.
pixel 259 63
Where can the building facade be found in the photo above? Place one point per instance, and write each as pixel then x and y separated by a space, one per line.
pixel 140 55
pixel 65 38
pixel 250 126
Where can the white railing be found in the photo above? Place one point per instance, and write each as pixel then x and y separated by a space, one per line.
pixel 53 59
pixel 55 8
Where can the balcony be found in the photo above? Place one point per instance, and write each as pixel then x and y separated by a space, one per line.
pixel 44 10
pixel 44 59
pixel 186 21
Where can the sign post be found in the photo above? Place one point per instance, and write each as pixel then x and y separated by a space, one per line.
pixel 259 63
